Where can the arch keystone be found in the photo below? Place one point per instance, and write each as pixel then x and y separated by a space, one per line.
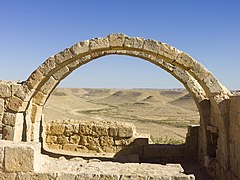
pixel 116 40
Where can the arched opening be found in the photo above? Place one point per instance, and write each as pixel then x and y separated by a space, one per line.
pixel 162 112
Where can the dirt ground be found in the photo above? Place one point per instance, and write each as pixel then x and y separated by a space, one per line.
pixel 164 114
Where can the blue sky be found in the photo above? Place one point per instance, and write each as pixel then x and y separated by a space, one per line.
pixel 31 31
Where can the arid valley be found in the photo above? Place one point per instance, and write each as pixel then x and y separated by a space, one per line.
pixel 162 114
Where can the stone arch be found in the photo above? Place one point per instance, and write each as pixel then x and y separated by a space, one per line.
pixel 200 83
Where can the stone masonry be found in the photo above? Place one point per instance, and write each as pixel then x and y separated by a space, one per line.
pixel 22 103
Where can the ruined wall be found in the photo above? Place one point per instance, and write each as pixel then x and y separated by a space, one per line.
pixel 234 130
pixel 77 137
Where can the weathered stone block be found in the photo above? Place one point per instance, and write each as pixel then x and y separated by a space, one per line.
pixel 125 132
pixel 47 66
pixel 1 108
pixel 116 40
pixel 135 43
pixel 80 48
pixel 70 147
pixel 106 141
pixel 61 73
pixel 1 158
pixel 9 119
pixel 57 129
pixel 36 113
pixel 98 130
pixel 85 129
pixel 151 46
pixel 39 98
pixel 63 56
pixel 69 130
pixel 34 80
pixel 19 159
pixel 62 140
pixel 54 146
pixel 8 132
pixel 15 104
pixel 64 176
pixel 22 91
pixel 7 176
pixel 48 86
pixel 113 131
pixel 83 140
pixel 51 139
pixel 99 43
pixel 5 89
pixel 75 139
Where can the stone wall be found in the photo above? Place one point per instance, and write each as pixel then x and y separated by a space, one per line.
pixel 75 137
pixel 234 130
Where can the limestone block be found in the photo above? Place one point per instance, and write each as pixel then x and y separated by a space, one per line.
pixel 57 129
pixel 7 176
pixel 54 146
pixel 80 48
pixel 183 76
pixel 185 60
pixel 39 98
pixel 147 56
pixel 75 139
pixel 36 176
pixel 51 139
pixel 83 140
pixel 34 80
pixel 113 131
pixel 22 91
pixel 19 159
pixel 1 108
pixel 70 147
pixel 116 40
pixel 63 56
pixel 109 149
pixel 1 158
pixel 47 66
pixel 212 84
pixel 48 86
pixel 69 130
pixel 93 143
pixel 73 65
pixel 36 113
pixel 62 140
pixel 133 43
pixel 64 176
pixel 8 132
pixel 168 51
pixel 106 141
pixel 5 89
pixel 152 46
pixel 99 43
pixel 83 176
pixel 85 129
pixel 61 73
pixel 125 131
pixel 98 130
pixel 15 104
pixel 200 71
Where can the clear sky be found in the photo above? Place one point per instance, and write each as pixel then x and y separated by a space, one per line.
pixel 31 31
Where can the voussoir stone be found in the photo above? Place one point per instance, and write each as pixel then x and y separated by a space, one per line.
pixel 135 43
pixel 34 80
pixel 151 46
pixel 99 43
pixel 116 40
pixel 19 159
pixel 47 66
pixel 80 48
pixel 63 56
